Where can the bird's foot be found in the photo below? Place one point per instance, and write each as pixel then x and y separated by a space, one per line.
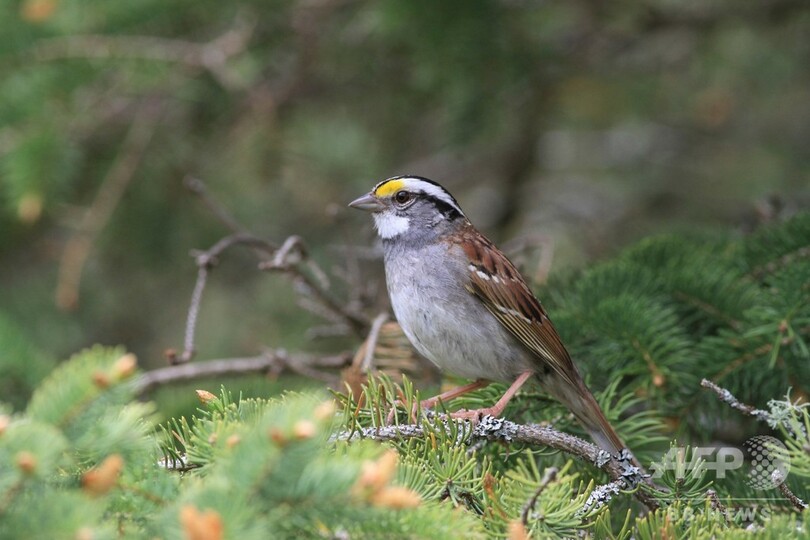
pixel 474 416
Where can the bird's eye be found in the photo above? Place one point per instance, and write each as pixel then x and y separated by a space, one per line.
pixel 402 197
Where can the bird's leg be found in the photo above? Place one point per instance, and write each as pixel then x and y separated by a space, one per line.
pixel 497 409
pixel 453 393
pixel 444 396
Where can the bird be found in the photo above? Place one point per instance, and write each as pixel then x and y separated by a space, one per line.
pixel 465 307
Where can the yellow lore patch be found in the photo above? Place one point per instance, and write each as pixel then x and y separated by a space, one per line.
pixel 389 188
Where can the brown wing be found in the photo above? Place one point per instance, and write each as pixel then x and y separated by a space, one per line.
pixel 497 283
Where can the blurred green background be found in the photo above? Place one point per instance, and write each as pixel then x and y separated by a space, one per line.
pixel 585 124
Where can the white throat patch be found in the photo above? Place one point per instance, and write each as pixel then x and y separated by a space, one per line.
pixel 389 225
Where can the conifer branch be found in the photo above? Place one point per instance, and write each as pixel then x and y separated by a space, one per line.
pixel 729 399
pixel 657 377
pixel 488 428
pixel 797 503
pixel 781 262
pixel 735 364
pixel 707 308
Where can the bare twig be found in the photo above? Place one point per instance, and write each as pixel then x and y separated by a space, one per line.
pixel 309 366
pixel 211 56
pixel 292 258
pixel 289 259
pixel 291 252
pixel 205 261
pixel 275 361
pixel 370 345
pixel 729 399
pixel 191 319
pixel 98 214
pixel 488 428
pixel 716 504
pixel 797 503
pixel 549 476
pixel 198 188
pixel 210 256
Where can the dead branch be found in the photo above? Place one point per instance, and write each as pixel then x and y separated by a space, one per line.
pixel 716 504
pixel 211 56
pixel 291 258
pixel 370 345
pixel 198 188
pixel 206 260
pixel 274 362
pixel 797 503
pixel 729 399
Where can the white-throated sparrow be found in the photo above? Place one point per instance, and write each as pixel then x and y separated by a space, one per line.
pixel 466 308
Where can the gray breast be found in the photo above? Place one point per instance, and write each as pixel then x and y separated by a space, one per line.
pixel 445 322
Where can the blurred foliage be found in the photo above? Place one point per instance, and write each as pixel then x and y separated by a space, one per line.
pixel 590 123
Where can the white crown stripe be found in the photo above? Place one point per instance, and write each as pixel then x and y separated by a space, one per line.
pixel 418 185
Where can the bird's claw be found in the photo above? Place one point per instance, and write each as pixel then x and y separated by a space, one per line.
pixel 473 416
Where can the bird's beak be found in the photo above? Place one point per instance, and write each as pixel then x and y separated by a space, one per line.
pixel 368 202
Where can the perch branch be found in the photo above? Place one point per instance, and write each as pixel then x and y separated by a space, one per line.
pixel 620 469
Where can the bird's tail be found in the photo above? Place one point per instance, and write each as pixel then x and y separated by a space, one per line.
pixel 581 402
pixel 593 420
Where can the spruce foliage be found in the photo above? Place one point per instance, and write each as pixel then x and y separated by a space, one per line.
pixel 86 459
